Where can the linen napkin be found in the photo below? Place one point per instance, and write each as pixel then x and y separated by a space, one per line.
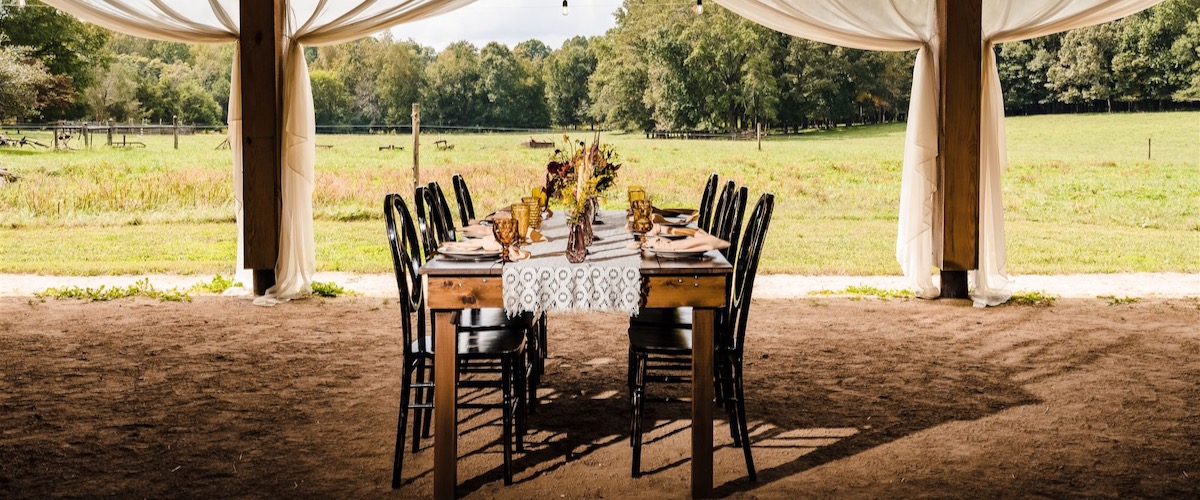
pixel 702 241
pixel 476 231
pixel 677 231
pixel 487 243
pixel 659 219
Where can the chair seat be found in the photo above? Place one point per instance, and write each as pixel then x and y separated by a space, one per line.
pixel 484 343
pixel 675 316
pixel 492 317
pixel 660 340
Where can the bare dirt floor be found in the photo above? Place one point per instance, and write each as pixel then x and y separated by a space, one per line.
pixel 847 398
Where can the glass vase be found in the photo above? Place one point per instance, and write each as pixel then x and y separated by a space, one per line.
pixel 577 242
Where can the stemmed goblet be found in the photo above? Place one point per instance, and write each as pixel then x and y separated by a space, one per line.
pixel 505 231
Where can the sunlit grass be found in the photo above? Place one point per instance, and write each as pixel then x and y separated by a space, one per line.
pixel 1080 196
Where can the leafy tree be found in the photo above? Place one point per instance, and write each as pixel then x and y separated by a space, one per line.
pixel 212 65
pixel 330 97
pixel 20 79
pixel 567 72
pixel 1186 51
pixel 115 96
pixel 1083 73
pixel 454 95
pixel 70 49
pixel 532 50
pixel 400 76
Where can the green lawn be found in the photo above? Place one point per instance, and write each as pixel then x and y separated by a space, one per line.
pixel 1080 196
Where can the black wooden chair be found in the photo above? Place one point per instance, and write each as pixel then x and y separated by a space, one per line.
pixel 706 203
pixel 433 217
pixel 662 353
pixel 496 351
pixel 466 206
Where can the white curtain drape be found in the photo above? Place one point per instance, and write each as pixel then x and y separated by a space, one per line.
pixel 309 22
pixel 896 25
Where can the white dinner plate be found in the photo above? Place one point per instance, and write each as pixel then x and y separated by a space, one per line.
pixel 678 254
pixel 471 255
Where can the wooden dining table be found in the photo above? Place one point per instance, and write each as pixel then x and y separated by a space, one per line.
pixel 456 285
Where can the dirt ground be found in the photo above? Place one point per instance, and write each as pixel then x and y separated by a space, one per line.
pixel 848 398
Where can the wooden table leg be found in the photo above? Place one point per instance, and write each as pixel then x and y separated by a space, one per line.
pixel 445 423
pixel 703 328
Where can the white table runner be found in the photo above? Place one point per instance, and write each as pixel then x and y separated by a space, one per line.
pixel 610 279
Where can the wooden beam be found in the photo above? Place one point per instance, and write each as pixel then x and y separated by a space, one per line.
pixel 960 27
pixel 261 65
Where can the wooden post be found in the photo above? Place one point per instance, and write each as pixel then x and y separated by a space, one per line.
pixel 1148 143
pixel 261 64
pixel 110 132
pixel 175 129
pixel 56 132
pixel 416 129
pixel 758 134
pixel 960 57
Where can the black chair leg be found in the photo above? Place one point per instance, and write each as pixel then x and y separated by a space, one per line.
pixel 639 405
pixel 419 415
pixel 744 428
pixel 534 380
pixel 519 394
pixel 427 422
pixel 401 427
pixel 507 423
pixel 727 396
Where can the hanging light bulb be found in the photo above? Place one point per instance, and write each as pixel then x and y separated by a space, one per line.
pixel 564 7
pixel 699 7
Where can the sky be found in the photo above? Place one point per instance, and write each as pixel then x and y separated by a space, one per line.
pixel 511 22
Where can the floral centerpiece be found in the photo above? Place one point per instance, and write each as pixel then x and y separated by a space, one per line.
pixel 577 174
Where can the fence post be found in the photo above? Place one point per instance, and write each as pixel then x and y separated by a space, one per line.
pixel 758 134
pixel 56 132
pixel 1148 149
pixel 416 129
pixel 110 132
pixel 175 128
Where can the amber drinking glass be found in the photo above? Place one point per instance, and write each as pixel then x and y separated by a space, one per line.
pixel 643 216
pixel 520 212
pixel 535 211
pixel 505 231
pixel 636 193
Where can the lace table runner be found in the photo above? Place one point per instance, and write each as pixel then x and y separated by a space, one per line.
pixel 609 280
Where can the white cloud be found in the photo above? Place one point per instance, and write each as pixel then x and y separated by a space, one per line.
pixel 513 21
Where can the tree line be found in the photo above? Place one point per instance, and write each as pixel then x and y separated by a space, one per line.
pixel 661 67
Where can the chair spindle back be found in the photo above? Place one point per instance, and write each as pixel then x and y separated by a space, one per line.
pixel 745 271
pixel 727 222
pixel 466 206
pixel 706 203
pixel 406 259
pixel 443 207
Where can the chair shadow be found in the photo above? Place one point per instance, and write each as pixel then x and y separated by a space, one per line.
pixel 793 405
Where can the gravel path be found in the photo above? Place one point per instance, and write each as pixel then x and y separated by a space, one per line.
pixel 768 286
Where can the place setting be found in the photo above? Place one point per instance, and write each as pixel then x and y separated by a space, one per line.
pixel 666 233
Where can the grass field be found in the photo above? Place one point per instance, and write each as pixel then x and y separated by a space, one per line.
pixel 1080 196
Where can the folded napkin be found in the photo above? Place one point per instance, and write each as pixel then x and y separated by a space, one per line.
pixel 476 231
pixel 659 219
pixel 534 236
pixel 487 243
pixel 518 253
pixel 677 231
pixel 702 241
